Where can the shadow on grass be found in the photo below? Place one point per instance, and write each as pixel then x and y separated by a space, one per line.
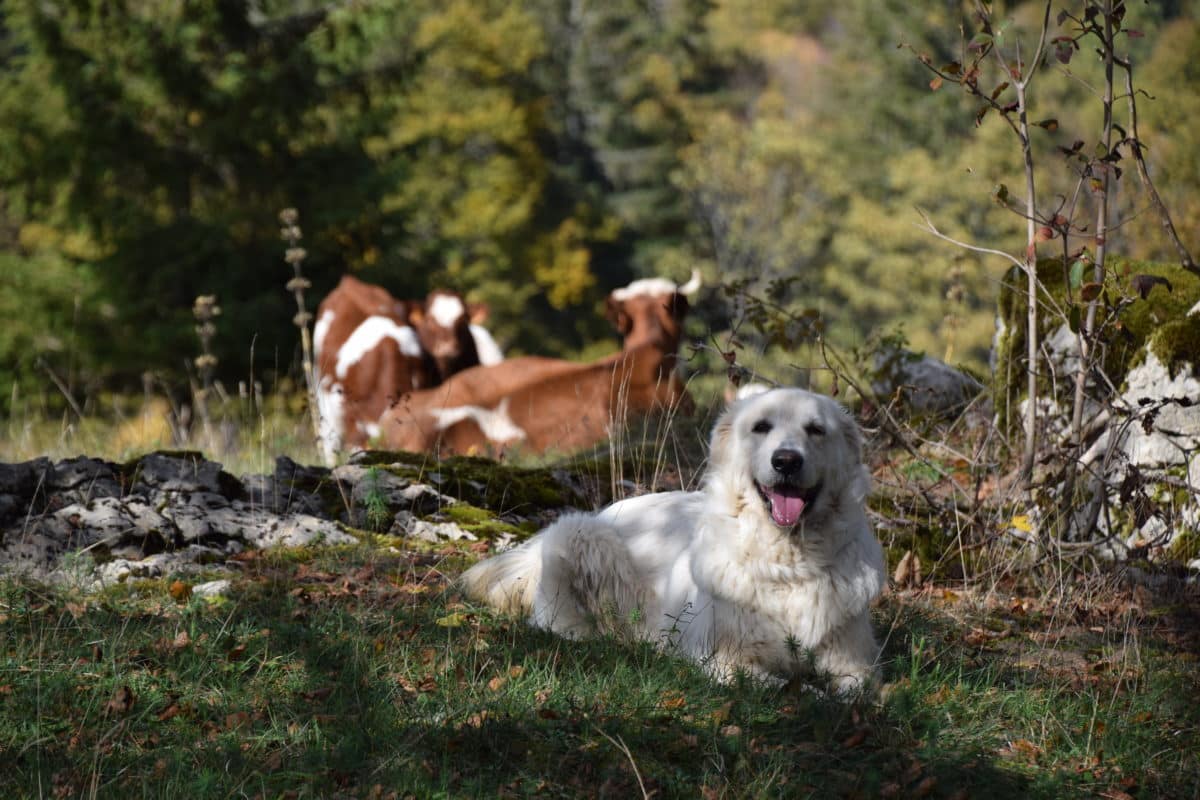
pixel 362 679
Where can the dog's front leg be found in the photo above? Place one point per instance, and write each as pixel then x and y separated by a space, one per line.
pixel 849 655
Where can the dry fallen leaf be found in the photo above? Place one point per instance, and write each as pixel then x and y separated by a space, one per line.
pixel 169 712
pixel 855 739
pixel 121 702
pixel 672 699
pixel 180 592
pixel 926 786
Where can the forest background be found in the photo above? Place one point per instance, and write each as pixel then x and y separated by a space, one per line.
pixel 533 154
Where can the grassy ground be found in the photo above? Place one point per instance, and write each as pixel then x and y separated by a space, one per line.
pixel 360 672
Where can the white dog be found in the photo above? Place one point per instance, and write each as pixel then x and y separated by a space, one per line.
pixel 768 570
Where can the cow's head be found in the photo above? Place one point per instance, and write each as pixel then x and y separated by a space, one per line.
pixel 651 311
pixel 443 325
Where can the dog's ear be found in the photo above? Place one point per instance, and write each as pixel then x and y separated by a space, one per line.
pixel 858 482
pixel 852 434
pixel 722 436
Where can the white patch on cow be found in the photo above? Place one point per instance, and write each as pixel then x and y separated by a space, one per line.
pixel 331 406
pixel 368 335
pixel 371 429
pixel 655 287
pixel 489 352
pixel 446 309
pixel 496 424
pixel 321 330
pixel 646 287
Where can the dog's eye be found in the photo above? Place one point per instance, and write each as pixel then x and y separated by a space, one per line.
pixel 762 426
pixel 814 429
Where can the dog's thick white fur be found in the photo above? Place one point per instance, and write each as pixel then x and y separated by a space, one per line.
pixel 768 570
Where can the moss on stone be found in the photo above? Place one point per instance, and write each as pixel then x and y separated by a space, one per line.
pixel 1185 547
pixel 1160 320
pixel 481 482
pixel 1177 343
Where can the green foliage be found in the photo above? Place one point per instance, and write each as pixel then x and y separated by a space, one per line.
pixel 533 154
pixel 42 303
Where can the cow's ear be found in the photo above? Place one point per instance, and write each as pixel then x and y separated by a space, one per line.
pixel 614 312
pixel 678 306
pixel 478 312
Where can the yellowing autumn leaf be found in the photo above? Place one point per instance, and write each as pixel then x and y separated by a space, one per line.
pixel 1022 523
pixel 454 620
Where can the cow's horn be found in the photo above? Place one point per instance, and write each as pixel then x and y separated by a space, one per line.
pixel 693 285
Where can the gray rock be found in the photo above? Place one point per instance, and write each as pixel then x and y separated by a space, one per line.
pixel 1175 433
pixel 85 478
pixel 24 479
pixel 297 530
pixel 924 384
pixel 186 472
pixel 439 532
pixel 218 588
pixel 373 485
pixel 265 491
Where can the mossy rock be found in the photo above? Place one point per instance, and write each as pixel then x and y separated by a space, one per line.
pixel 1185 547
pixel 481 482
pixel 1160 321
pixel 485 524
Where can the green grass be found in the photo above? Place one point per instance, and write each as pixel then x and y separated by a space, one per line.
pixel 359 672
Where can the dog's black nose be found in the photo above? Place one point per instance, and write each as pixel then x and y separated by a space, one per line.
pixel 787 462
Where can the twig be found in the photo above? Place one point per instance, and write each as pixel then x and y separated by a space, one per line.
pixel 61 387
pixel 619 743
pixel 1185 257
pixel 931 228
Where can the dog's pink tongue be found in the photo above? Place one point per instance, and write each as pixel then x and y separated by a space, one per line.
pixel 785 509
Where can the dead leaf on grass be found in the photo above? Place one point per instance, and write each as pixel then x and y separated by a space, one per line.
pixel 1020 748
pixel 672 699
pixel 926 786
pixel 180 592
pixel 170 712
pixel 121 702
pixel 855 739
pixel 236 720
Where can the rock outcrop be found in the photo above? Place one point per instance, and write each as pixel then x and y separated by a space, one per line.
pixel 94 522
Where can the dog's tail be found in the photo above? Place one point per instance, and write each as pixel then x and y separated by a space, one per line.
pixel 508 582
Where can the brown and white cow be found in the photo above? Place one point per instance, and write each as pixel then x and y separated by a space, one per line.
pixel 367 357
pixel 371 349
pixel 541 404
